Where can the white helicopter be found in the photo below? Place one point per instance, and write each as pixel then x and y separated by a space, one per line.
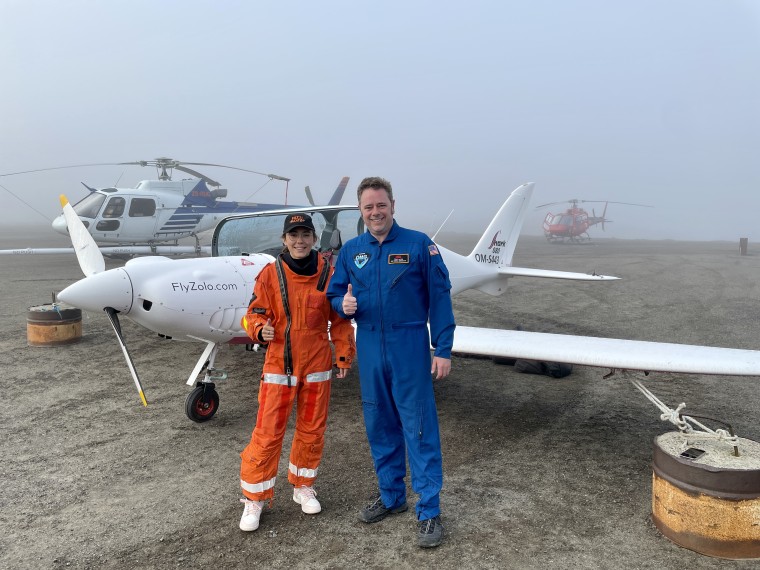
pixel 203 299
pixel 153 216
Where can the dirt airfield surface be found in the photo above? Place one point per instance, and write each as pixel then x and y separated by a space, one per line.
pixel 538 472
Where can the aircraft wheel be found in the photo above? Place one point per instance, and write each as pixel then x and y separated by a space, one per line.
pixel 202 403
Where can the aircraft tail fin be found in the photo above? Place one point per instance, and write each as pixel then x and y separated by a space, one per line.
pixel 489 266
pixel 200 195
pixel 497 244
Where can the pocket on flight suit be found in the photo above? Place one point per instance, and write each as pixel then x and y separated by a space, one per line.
pixel 315 318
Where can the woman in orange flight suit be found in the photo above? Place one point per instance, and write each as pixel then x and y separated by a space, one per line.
pixel 298 366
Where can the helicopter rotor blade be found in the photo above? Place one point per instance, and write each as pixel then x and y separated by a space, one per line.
pixel 272 176
pixel 163 163
pixel 197 174
pixel 630 204
pixel 58 168
pixel 551 204
pixel 577 201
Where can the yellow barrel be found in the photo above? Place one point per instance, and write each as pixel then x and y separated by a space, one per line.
pixel 704 497
pixel 53 325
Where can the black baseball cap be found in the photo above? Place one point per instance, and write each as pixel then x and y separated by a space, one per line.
pixel 298 220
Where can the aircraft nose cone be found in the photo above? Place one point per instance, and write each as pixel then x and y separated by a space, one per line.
pixel 112 288
pixel 59 225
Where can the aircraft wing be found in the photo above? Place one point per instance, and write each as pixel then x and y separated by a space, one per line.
pixel 551 274
pixel 607 352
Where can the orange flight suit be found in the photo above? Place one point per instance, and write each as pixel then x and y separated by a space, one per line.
pixel 309 382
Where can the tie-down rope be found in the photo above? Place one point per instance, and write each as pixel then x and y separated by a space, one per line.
pixel 682 422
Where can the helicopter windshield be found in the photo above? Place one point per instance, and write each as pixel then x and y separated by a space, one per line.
pixel 261 232
pixel 89 206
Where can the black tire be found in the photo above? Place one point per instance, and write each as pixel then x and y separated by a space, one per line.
pixel 202 403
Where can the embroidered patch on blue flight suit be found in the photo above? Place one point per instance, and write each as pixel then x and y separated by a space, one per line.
pixel 361 259
pixel 433 250
pixel 396 258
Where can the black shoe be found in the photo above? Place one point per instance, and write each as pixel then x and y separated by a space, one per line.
pixel 429 532
pixel 377 511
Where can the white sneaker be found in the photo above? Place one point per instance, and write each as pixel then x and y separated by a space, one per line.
pixel 251 515
pixel 307 498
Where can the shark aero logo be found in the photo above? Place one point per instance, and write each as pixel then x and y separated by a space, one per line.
pixel 494 251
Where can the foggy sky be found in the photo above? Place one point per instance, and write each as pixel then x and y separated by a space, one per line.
pixel 456 103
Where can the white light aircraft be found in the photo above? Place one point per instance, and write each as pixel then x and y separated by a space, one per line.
pixel 153 216
pixel 204 299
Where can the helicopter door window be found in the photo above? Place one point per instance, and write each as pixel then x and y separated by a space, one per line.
pixel 108 225
pixel 142 207
pixel 114 208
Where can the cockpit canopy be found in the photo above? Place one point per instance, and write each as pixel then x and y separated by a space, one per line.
pixel 261 232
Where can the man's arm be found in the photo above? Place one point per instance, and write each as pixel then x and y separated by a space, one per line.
pixel 441 311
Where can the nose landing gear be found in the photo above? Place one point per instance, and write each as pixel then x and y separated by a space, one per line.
pixel 202 403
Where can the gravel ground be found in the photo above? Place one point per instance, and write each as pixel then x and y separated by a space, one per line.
pixel 538 472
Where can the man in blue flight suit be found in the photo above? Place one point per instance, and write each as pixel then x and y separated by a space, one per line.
pixel 392 280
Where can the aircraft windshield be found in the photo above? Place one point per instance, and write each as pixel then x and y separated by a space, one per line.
pixel 261 232
pixel 89 206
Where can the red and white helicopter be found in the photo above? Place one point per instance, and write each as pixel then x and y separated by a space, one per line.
pixel 572 225
pixel 203 299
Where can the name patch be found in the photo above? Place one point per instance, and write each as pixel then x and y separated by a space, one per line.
pixel 397 258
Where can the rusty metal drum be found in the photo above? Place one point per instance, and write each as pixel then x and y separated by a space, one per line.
pixel 705 497
pixel 53 325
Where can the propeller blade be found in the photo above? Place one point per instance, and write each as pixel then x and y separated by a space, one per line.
pixel 338 194
pixel 113 316
pixel 88 254
pixel 309 196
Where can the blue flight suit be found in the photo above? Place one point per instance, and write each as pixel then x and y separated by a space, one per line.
pixel 399 285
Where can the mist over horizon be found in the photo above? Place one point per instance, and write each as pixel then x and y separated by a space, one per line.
pixel 642 102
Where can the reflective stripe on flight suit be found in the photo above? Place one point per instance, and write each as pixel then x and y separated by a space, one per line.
pixel 303 471
pixel 270 378
pixel 258 487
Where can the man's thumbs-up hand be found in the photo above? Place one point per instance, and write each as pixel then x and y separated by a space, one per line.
pixel 349 302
